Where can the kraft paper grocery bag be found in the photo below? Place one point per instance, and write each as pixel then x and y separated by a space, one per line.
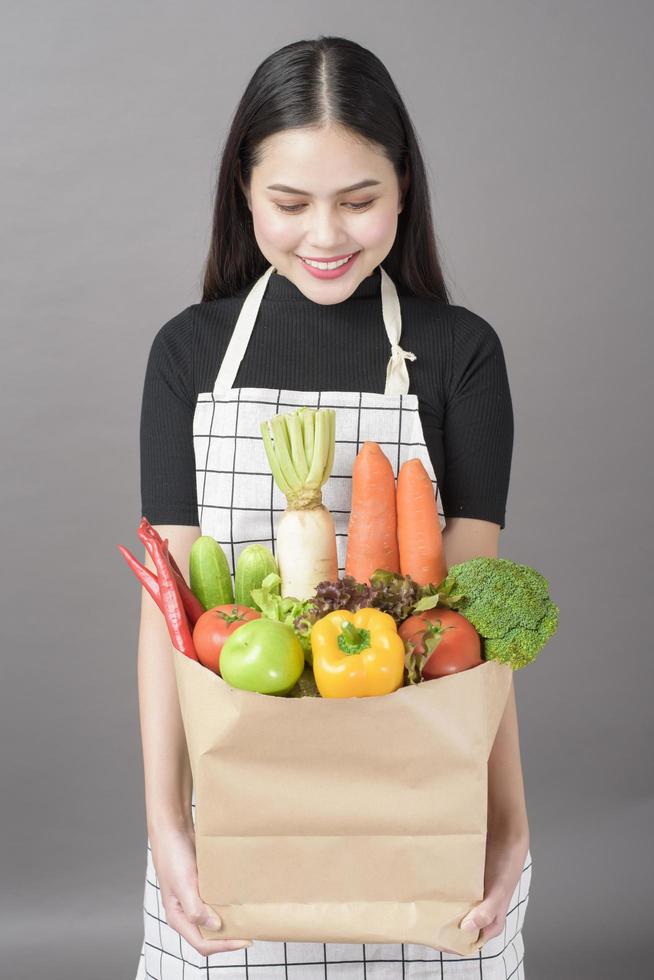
pixel 342 819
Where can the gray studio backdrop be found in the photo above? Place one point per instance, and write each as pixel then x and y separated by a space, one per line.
pixel 535 121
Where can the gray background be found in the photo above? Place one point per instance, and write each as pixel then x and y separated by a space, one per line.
pixel 535 123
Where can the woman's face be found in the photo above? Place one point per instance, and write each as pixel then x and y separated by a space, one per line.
pixel 318 218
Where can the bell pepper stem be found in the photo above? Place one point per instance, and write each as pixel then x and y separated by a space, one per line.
pixel 353 639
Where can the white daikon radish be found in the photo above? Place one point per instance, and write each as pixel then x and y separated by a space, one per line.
pixel 300 450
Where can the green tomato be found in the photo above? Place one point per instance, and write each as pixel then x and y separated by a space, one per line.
pixel 262 655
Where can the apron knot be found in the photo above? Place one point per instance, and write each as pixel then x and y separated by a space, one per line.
pixel 397 354
pixel 397 377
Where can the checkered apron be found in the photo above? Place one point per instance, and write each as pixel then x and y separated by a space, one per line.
pixel 238 501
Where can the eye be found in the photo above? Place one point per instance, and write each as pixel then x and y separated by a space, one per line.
pixel 294 208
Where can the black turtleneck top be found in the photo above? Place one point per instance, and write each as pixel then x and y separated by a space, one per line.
pixel 459 376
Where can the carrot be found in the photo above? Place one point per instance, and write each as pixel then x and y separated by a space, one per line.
pixel 419 536
pixel 372 529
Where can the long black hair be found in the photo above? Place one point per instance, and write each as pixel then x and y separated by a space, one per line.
pixel 335 81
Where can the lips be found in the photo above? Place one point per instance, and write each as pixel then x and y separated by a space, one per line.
pixel 332 258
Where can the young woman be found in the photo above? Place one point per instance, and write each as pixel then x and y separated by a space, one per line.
pixel 322 282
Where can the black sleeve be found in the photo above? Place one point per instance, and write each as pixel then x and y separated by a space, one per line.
pixel 168 487
pixel 478 427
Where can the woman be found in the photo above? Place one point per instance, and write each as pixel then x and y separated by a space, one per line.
pixel 321 182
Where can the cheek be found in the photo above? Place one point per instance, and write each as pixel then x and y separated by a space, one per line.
pixel 273 228
pixel 376 227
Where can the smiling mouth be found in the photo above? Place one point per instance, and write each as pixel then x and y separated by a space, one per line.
pixel 335 262
pixel 330 258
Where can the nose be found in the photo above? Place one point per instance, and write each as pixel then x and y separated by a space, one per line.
pixel 324 233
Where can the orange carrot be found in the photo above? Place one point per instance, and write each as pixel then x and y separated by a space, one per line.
pixel 419 536
pixel 372 530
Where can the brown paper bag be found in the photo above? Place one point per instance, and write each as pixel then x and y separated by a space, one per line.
pixel 342 819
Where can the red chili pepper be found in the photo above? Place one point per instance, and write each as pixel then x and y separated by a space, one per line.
pixel 172 605
pixel 173 608
pixel 147 578
pixel 192 604
pixel 149 536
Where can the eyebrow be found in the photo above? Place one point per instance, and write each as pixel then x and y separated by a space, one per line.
pixel 293 190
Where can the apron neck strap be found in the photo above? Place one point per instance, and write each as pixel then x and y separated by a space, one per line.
pixel 397 377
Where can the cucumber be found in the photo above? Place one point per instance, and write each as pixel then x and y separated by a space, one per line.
pixel 209 574
pixel 253 564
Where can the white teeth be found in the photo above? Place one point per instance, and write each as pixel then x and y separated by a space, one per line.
pixel 327 265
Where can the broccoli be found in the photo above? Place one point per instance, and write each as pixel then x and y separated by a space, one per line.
pixel 508 604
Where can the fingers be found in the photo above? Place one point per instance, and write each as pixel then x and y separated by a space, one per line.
pixel 493 930
pixel 191 933
pixel 187 923
pixel 480 917
pixel 196 911
pixel 488 917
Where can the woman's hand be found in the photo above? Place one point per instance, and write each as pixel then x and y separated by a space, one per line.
pixel 505 859
pixel 173 854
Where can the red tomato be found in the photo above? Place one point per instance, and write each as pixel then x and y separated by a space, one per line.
pixel 214 626
pixel 459 646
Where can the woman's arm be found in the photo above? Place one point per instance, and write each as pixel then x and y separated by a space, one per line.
pixel 465 538
pixel 507 809
pixel 507 841
pixel 167 771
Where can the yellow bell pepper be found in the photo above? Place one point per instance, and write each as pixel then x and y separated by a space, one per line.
pixel 357 655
